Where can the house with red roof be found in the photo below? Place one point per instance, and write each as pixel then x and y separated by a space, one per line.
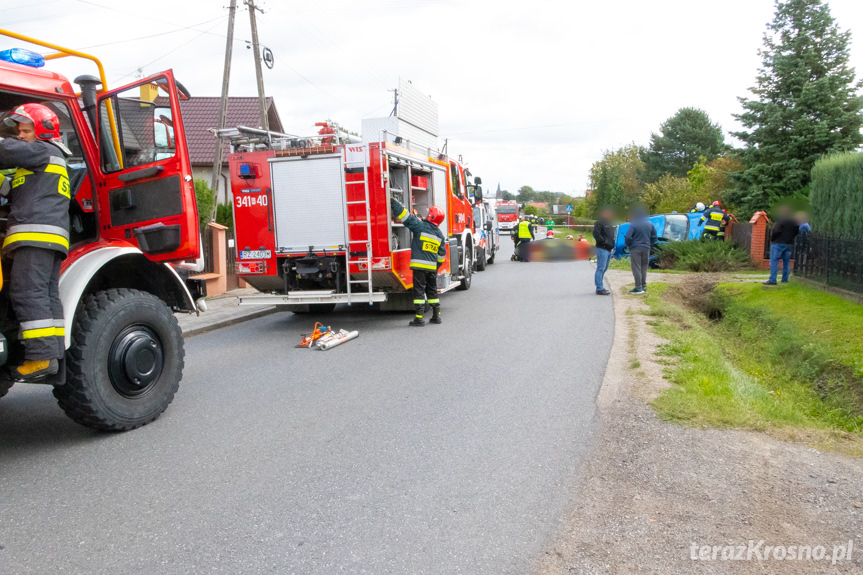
pixel 201 118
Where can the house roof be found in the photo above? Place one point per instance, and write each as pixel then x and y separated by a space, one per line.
pixel 200 115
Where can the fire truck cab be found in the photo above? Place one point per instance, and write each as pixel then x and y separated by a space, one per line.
pixel 132 215
pixel 507 215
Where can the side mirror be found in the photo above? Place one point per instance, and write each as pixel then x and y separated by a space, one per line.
pixel 478 193
pixel 163 133
pixel 488 226
pixel 477 180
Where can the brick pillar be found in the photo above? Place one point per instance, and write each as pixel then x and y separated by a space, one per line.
pixel 759 223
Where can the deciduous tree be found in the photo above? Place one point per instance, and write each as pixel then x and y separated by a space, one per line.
pixel 669 194
pixel 616 178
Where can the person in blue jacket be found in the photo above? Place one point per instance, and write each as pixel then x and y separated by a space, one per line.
pixel 640 238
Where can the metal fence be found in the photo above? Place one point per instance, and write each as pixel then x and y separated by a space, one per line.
pixel 741 234
pixel 768 243
pixel 206 246
pixel 832 261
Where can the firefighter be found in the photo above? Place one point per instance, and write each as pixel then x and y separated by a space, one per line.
pixel 714 221
pixel 37 236
pixel 524 235
pixel 428 252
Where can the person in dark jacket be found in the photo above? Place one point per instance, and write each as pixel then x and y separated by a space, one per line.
pixel 781 245
pixel 37 236
pixel 428 253
pixel 640 238
pixel 603 235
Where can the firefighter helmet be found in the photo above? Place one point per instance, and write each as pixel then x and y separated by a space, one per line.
pixel 435 215
pixel 699 207
pixel 717 204
pixel 44 120
pixel 550 234
pixel 569 237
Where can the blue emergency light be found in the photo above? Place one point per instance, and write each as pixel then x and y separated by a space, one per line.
pixel 249 171
pixel 22 56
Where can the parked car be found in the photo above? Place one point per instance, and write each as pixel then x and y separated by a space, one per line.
pixel 672 227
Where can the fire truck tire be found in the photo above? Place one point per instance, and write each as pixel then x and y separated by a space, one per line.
pixel 480 260
pixel 125 362
pixel 491 259
pixel 468 271
pixel 5 385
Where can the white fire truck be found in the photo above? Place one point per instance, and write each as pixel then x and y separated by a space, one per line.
pixel 312 217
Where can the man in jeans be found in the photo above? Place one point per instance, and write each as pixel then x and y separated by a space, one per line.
pixel 640 238
pixel 603 234
pixel 781 245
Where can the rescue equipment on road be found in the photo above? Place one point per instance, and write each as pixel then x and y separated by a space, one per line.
pixel 324 338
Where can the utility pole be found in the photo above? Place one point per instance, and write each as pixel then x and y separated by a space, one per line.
pixel 223 111
pixel 265 124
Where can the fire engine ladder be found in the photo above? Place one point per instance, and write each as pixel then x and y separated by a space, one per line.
pixel 351 226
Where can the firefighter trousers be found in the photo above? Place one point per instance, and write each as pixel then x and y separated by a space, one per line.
pixel 425 289
pixel 35 296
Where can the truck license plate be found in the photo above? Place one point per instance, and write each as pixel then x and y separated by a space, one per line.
pixel 255 254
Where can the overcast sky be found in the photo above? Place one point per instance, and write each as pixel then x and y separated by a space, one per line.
pixel 529 92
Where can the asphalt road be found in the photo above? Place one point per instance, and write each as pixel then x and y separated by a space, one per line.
pixel 441 450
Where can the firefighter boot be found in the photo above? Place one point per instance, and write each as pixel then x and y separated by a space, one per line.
pixel 418 320
pixel 32 371
pixel 435 315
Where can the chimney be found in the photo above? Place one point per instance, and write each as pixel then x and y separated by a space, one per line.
pixel 149 93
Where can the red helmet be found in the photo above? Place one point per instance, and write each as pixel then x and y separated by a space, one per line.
pixel 549 234
pixel 717 204
pixel 44 120
pixel 435 215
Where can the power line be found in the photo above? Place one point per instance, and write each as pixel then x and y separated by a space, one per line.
pixel 192 27
pixel 139 15
pixel 295 71
pixel 168 53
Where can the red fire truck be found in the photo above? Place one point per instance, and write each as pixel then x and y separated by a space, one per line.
pixel 507 215
pixel 132 215
pixel 312 217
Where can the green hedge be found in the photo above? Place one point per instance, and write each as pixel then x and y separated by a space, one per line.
pixel 836 193
pixel 702 256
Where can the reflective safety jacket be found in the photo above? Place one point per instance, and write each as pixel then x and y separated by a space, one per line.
pixel 428 249
pixel 525 230
pixel 714 220
pixel 39 196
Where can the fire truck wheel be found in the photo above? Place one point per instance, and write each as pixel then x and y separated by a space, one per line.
pixel 480 260
pixel 5 385
pixel 468 271
pixel 491 259
pixel 125 363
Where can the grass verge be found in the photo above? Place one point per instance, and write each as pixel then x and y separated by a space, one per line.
pixel 788 361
